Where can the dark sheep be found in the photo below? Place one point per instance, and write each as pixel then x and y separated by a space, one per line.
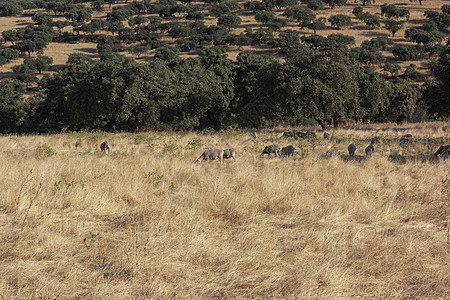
pixel 406 138
pixel 443 151
pixel 351 150
pixel 289 133
pixel 287 151
pixel 105 146
pixel 271 149
pixel 305 135
pixel 369 150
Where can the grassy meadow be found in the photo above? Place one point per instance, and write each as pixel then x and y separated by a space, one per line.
pixel 147 222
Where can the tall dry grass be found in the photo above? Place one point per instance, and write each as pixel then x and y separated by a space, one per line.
pixel 146 222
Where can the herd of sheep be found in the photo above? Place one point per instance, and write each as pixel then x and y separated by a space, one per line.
pixel 221 154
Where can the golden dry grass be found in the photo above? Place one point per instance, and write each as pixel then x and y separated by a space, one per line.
pixel 299 228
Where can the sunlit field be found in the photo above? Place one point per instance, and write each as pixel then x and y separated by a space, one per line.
pixel 147 222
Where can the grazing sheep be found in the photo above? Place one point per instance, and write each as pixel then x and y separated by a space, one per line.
pixel 271 149
pixel 370 150
pixel 290 133
pixel 287 151
pixel 351 150
pixel 305 135
pixel 296 134
pixel 443 151
pixel 406 138
pixel 229 153
pixel 105 146
pixel 211 154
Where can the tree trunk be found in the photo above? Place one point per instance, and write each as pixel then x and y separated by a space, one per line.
pixel 322 124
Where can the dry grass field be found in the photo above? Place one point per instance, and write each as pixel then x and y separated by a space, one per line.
pixel 146 222
pixel 60 51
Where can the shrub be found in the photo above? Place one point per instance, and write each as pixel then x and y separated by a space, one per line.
pixel 44 150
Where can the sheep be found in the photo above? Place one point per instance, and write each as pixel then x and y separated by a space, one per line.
pixel 369 150
pixel 299 134
pixel 105 146
pixel 443 151
pixel 305 135
pixel 406 138
pixel 271 149
pixel 290 133
pixel 211 154
pixel 351 150
pixel 287 151
pixel 229 153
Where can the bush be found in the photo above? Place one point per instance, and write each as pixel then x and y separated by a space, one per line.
pixel 44 150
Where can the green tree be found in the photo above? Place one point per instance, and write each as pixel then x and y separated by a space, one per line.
pixel 42 19
pixel 115 28
pixel 378 43
pixel 8 54
pixel 12 35
pixel 229 21
pixel 371 21
pixel 437 92
pixel 255 103
pixel 60 25
pixel 333 3
pixel 358 12
pixel 287 39
pixel 367 56
pixel 404 96
pixel 138 50
pixel 303 15
pixel 405 52
pixel 41 63
pixel 315 4
pixel 411 73
pixel 105 45
pixel 317 24
pixel 11 102
pixel 195 15
pixel 279 4
pixel 167 53
pixel 320 89
pixel 10 8
pixel 79 14
pixel 224 8
pixel 24 74
pixel 392 11
pixel 118 14
pixel 339 20
pixel 393 26
pixel 391 68
pixel 98 5
pixel 373 95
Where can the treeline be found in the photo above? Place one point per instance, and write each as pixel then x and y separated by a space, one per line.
pixel 310 87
